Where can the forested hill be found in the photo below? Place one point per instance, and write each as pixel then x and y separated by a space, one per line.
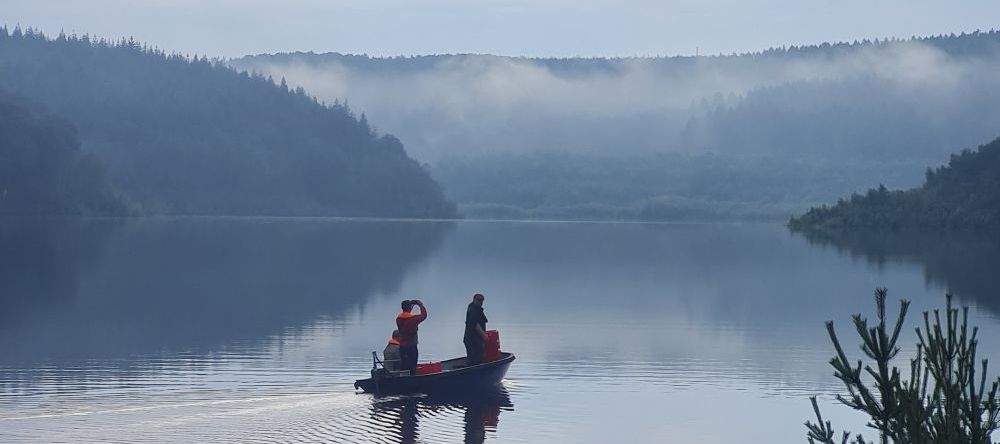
pixel 663 137
pixel 43 171
pixel 965 194
pixel 973 44
pixel 185 135
pixel 868 100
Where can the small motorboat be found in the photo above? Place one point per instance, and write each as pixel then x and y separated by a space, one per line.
pixel 452 376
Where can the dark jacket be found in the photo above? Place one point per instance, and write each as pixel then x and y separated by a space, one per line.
pixel 474 316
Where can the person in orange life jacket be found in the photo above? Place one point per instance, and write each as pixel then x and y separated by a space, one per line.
pixel 390 356
pixel 475 330
pixel 407 323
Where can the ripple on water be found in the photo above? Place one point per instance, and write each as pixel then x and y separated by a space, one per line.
pixel 339 415
pixel 235 400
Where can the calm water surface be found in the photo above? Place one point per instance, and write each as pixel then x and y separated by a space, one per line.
pixel 253 330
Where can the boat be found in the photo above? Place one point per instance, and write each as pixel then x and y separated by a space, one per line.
pixel 454 376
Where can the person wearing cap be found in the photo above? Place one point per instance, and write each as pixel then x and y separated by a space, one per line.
pixel 407 323
pixel 475 330
pixel 390 356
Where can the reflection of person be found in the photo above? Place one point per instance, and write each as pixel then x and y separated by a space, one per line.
pixel 475 330
pixel 408 423
pixel 390 356
pixel 400 417
pixel 407 323
pixel 477 417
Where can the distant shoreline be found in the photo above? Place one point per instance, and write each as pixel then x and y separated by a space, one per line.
pixel 400 219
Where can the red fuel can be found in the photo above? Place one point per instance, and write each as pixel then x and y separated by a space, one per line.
pixel 492 349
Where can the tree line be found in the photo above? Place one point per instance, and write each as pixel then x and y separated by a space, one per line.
pixel 42 169
pixel 181 134
pixel 964 194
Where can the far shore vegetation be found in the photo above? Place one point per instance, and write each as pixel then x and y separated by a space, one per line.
pixel 963 195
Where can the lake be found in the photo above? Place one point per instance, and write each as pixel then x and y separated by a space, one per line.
pixel 254 329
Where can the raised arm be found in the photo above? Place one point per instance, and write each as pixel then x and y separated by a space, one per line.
pixel 423 310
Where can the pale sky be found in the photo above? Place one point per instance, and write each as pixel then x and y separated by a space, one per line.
pixel 230 28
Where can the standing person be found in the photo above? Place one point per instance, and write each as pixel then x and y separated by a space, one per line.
pixel 407 323
pixel 475 330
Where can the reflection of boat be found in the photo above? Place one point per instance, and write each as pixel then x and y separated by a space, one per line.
pixel 400 417
pixel 454 376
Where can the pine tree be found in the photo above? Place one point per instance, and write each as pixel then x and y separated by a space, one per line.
pixel 942 402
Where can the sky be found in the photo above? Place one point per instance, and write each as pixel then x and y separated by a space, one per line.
pixel 534 28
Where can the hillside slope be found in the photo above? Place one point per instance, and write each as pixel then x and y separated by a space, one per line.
pixel 644 137
pixel 184 135
pixel 965 194
pixel 866 99
pixel 43 171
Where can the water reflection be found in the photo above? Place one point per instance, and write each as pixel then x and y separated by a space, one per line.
pixel 402 416
pixel 41 261
pixel 965 263
pixel 103 290
pixel 234 331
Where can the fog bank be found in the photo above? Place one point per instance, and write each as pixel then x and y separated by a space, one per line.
pixel 448 105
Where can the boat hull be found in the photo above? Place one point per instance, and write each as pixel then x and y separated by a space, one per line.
pixel 483 376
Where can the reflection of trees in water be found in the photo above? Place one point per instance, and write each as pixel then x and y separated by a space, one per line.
pixel 400 416
pixel 965 263
pixel 41 261
pixel 196 284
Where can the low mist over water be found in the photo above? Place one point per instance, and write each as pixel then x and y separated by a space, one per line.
pixel 625 332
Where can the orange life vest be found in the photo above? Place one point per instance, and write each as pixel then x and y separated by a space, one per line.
pixel 406 323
